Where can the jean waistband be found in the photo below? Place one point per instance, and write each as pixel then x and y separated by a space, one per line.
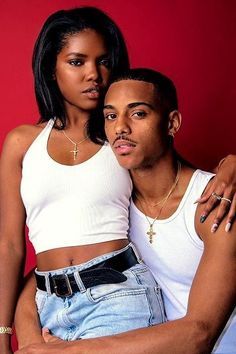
pixel 104 269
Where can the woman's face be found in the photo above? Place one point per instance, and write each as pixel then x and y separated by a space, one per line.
pixel 82 70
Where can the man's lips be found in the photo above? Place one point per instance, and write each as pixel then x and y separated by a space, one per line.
pixel 123 146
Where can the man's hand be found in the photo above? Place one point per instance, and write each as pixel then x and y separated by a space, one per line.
pixel 223 186
pixel 40 348
pixel 60 347
pixel 49 338
pixel 52 345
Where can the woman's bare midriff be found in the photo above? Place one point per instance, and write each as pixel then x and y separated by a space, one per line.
pixel 68 256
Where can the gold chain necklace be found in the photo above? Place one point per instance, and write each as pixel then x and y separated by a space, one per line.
pixel 150 232
pixel 76 144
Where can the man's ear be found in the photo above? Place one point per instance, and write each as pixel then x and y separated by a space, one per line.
pixel 174 122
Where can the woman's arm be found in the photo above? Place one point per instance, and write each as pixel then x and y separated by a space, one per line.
pixel 27 323
pixel 224 185
pixel 12 240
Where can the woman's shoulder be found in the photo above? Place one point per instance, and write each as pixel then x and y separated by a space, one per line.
pixel 20 138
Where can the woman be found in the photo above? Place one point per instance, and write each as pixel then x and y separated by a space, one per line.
pixel 63 183
pixel 71 192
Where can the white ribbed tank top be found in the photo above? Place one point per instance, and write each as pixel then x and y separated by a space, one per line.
pixel 175 253
pixel 73 205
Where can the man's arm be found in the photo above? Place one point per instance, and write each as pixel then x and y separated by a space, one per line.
pixel 196 332
pixel 27 325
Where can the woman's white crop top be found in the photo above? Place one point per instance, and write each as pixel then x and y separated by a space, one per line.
pixel 73 205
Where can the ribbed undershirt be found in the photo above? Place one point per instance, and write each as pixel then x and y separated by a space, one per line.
pixel 73 205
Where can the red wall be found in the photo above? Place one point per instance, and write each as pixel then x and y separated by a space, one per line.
pixel 192 41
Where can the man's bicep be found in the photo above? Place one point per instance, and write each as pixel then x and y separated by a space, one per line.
pixel 213 292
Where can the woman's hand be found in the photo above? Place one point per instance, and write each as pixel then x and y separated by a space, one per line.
pixel 221 192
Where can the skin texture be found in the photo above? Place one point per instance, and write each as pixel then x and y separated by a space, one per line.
pixel 148 154
pixel 82 64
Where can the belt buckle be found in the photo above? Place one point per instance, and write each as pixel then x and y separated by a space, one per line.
pixel 67 282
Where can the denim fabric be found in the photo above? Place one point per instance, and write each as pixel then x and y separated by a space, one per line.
pixel 103 309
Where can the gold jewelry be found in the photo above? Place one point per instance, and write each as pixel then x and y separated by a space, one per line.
pixel 150 231
pixel 5 330
pixel 75 150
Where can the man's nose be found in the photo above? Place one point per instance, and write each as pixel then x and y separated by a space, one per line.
pixel 122 127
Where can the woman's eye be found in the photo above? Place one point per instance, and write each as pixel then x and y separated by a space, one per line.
pixel 110 116
pixel 75 62
pixel 106 62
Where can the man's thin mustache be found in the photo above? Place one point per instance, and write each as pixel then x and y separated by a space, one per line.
pixel 123 137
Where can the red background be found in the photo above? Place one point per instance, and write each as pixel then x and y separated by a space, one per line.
pixel 192 41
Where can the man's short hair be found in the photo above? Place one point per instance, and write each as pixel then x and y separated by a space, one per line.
pixel 164 88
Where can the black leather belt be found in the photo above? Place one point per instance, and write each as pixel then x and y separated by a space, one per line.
pixel 106 272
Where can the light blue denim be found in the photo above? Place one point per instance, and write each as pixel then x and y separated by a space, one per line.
pixel 103 309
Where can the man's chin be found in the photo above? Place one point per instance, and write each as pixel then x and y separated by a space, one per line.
pixel 127 162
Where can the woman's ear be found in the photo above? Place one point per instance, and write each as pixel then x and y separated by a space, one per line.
pixel 174 122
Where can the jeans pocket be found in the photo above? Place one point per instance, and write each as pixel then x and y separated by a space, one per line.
pixel 154 295
pixel 162 314
pixel 108 291
pixel 40 299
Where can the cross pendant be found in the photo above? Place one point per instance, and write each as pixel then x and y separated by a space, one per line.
pixel 151 233
pixel 75 152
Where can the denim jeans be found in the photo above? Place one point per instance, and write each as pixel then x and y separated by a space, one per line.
pixel 103 309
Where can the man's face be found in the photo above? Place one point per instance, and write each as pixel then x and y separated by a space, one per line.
pixel 133 124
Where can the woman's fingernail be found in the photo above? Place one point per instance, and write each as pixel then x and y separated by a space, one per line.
pixel 197 201
pixel 228 226
pixel 202 218
pixel 214 227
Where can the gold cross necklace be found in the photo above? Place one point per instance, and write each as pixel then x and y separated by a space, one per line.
pixel 76 144
pixel 150 231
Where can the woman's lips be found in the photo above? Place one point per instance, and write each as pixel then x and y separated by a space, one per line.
pixel 93 92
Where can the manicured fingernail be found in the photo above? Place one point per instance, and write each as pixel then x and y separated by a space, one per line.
pixel 197 201
pixel 214 227
pixel 228 226
pixel 202 218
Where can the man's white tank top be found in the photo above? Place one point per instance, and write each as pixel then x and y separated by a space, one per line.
pixel 175 253
pixel 73 205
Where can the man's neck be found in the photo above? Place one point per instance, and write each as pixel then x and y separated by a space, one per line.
pixel 158 189
pixel 153 182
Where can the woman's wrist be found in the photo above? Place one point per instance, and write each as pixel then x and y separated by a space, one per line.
pixel 6 330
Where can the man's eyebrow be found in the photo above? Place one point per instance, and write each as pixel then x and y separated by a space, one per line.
pixel 131 105
pixel 108 106
pixel 135 104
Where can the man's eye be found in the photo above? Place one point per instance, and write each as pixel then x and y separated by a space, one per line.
pixel 75 62
pixel 110 116
pixel 139 114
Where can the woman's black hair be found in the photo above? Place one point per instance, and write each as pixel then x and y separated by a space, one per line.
pixel 164 87
pixel 49 43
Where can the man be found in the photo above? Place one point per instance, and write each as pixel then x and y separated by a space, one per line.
pixel 194 263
